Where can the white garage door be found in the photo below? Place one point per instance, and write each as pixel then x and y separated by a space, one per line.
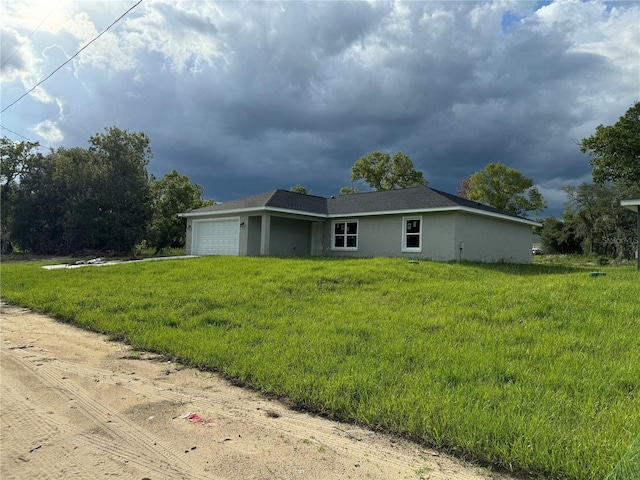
pixel 216 237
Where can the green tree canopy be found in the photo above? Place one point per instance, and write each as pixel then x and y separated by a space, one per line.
pixel 16 160
pixel 124 157
pixel 559 236
pixel 300 189
pixel 383 172
pixel 602 225
pixel 505 188
pixel 172 194
pixel 348 190
pixel 615 150
pixel 75 199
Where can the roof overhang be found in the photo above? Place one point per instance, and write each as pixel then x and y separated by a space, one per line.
pixel 237 211
pixel 632 204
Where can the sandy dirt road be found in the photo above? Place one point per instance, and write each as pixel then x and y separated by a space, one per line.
pixel 74 405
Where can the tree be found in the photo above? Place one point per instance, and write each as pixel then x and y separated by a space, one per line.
pixel 126 199
pixel 172 194
pixel 602 225
pixel 383 172
pixel 506 189
pixel 16 159
pixel 300 189
pixel 615 150
pixel 463 189
pixel 559 236
pixel 348 190
pixel 40 204
pixel 96 198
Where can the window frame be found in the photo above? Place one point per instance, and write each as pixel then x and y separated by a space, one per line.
pixel 405 248
pixel 344 248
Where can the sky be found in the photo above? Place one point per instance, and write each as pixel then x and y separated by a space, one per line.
pixel 244 97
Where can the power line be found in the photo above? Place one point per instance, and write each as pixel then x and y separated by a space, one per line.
pixel 26 138
pixel 16 133
pixel 74 56
pixel 30 35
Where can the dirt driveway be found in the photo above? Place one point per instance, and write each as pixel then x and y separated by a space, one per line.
pixel 77 406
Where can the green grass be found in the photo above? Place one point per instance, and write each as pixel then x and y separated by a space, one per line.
pixel 532 368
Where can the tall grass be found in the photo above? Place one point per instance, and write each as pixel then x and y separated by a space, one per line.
pixel 532 368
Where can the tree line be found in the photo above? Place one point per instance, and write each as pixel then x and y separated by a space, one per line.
pixel 100 198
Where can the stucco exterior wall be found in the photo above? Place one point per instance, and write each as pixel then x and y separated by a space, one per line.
pixel 290 237
pixel 254 226
pixel 382 236
pixel 187 245
pixel 484 239
pixel 438 237
pixel 492 240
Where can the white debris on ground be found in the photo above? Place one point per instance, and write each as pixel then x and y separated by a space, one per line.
pixel 101 262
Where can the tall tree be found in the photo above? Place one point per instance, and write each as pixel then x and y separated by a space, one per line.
pixel 559 236
pixel 505 188
pixel 602 225
pixel 172 194
pixel 383 172
pixel 96 198
pixel 615 149
pixel 124 157
pixel 16 160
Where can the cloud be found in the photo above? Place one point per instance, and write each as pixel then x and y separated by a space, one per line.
pixel 49 131
pixel 248 96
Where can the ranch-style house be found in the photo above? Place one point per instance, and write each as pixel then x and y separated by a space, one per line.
pixel 418 222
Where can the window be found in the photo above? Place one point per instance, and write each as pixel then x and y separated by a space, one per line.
pixel 345 235
pixel 412 234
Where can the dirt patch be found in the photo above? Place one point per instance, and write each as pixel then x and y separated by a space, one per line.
pixel 74 405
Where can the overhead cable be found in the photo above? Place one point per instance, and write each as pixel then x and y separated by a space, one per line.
pixel 30 35
pixel 71 58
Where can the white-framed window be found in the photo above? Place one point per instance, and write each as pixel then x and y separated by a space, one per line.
pixel 344 235
pixel 412 234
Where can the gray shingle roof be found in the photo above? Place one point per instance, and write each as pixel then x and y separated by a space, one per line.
pixel 407 199
pixel 274 199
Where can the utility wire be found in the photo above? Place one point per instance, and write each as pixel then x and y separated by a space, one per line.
pixel 74 56
pixel 30 35
pixel 16 133
pixel 26 138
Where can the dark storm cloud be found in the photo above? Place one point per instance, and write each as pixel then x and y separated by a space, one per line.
pixel 249 96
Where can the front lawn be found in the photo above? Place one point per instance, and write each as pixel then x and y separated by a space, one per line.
pixel 533 368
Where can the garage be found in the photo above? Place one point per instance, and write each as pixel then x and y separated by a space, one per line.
pixel 216 237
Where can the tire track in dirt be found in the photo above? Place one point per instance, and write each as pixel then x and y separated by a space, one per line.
pixel 150 454
pixel 48 453
pixel 268 415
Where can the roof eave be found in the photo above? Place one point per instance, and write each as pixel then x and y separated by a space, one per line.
pixel 235 211
pixel 631 204
pixel 452 208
